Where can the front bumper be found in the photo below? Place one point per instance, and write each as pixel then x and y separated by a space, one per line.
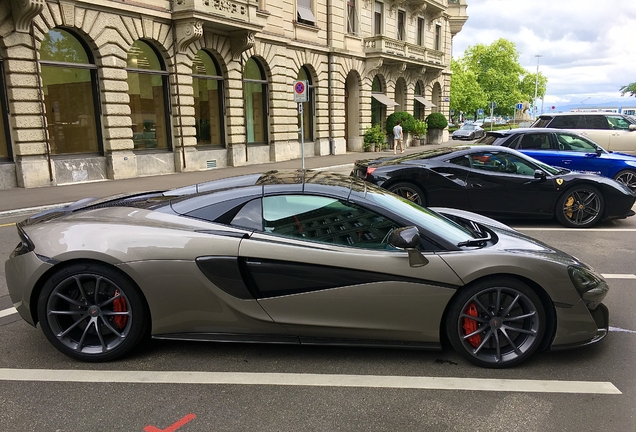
pixel 578 326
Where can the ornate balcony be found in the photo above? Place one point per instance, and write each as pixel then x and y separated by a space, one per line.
pixel 395 51
pixel 457 15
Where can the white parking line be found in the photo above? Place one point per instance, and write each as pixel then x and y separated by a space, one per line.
pixel 312 380
pixel 582 231
pixel 7 312
pixel 618 276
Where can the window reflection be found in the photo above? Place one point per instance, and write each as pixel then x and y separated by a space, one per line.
pixel 254 90
pixel 69 94
pixel 208 102
pixel 147 84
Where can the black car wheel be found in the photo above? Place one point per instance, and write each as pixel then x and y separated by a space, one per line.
pixel 91 312
pixel 580 207
pixel 496 323
pixel 410 192
pixel 628 178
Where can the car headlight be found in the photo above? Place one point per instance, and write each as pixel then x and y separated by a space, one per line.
pixel 591 286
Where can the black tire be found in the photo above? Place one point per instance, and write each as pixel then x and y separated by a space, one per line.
pixel 410 192
pixel 92 313
pixel 580 207
pixel 496 323
pixel 628 178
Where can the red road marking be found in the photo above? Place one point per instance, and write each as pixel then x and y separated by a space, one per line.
pixel 171 428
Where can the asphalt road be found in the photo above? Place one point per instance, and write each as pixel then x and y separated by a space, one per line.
pixel 274 387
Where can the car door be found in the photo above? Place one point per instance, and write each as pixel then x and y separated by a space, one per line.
pixel 596 128
pixel 622 139
pixel 503 184
pixel 538 145
pixel 580 154
pixel 321 267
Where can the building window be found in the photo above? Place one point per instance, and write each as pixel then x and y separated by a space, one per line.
pixel 377 18
pixel 148 92
pixel 5 147
pixel 438 37
pixel 305 13
pixel 420 31
pixel 401 32
pixel 418 108
pixel 308 107
pixel 352 17
pixel 69 80
pixel 377 108
pixel 208 100
pixel 255 90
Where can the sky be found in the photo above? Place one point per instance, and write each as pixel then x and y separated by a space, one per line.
pixel 588 47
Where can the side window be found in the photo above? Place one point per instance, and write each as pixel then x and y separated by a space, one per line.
pixel 250 216
pixel 574 143
pixel 325 220
pixel 462 161
pixel 568 122
pixel 534 142
pixel 500 162
pixel 596 122
pixel 618 122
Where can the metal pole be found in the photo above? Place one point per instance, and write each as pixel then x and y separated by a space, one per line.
pixel 302 133
pixel 536 88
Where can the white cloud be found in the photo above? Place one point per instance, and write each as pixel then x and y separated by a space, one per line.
pixel 587 47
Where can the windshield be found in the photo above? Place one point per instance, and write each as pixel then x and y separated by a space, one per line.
pixel 420 216
pixel 468 127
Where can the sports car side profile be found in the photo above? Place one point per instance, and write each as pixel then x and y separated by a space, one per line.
pixel 500 182
pixel 296 257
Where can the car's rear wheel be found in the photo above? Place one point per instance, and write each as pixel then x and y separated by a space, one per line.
pixel 628 178
pixel 580 207
pixel 91 312
pixel 409 191
pixel 496 323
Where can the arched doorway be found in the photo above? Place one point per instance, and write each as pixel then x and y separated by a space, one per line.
pixel 400 95
pixel 352 112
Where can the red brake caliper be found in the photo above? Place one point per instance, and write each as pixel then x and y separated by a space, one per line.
pixel 470 325
pixel 119 305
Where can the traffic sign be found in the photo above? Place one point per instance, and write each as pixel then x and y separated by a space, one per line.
pixel 519 106
pixel 300 91
pixel 492 105
pixel 480 111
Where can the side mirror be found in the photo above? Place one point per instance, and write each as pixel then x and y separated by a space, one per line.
pixel 539 174
pixel 408 238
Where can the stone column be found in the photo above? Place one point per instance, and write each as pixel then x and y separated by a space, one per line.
pixel 236 133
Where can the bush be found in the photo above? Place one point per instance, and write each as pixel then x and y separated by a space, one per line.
pixel 436 121
pixel 419 128
pixel 374 135
pixel 407 121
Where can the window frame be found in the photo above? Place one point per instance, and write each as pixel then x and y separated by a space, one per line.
pixel 308 15
pixel 401 25
pixel 221 99
pixel 266 88
pixel 438 36
pixel 378 18
pixel 421 26
pixel 352 17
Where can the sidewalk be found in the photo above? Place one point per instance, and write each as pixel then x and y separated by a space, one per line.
pixel 19 200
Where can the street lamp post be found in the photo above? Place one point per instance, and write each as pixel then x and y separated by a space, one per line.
pixel 536 88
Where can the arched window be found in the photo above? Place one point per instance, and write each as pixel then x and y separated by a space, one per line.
pixel 69 80
pixel 255 92
pixel 208 100
pixel 148 92
pixel 377 108
pixel 5 147
pixel 418 107
pixel 308 107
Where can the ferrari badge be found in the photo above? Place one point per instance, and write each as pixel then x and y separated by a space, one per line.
pixel 559 181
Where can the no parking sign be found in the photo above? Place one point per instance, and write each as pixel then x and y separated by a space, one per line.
pixel 300 91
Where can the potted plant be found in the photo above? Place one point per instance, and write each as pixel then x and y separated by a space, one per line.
pixel 407 122
pixel 419 132
pixel 374 139
pixel 436 123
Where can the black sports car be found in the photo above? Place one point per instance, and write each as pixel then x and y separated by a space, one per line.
pixel 499 182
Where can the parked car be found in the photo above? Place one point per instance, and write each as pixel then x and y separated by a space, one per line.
pixel 468 132
pixel 613 131
pixel 501 183
pixel 569 150
pixel 297 257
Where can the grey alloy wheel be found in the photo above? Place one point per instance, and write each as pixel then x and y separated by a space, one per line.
pixel 628 178
pixel 497 323
pixel 580 207
pixel 410 192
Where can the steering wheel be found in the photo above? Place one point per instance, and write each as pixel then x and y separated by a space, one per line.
pixel 508 166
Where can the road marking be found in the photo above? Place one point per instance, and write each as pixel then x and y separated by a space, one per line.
pixel 37 209
pixel 311 380
pixel 6 225
pixel 173 427
pixel 621 330
pixel 618 276
pixel 333 167
pixel 7 312
pixel 578 231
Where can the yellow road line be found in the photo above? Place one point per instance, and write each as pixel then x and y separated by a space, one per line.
pixel 6 225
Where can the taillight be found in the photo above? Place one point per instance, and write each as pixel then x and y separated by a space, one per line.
pixel 370 170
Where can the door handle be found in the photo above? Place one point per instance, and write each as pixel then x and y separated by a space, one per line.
pixel 476 185
pixel 567 161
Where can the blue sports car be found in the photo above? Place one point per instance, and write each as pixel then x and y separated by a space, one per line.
pixel 568 150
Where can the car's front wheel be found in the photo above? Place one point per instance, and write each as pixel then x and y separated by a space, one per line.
pixel 91 312
pixel 628 178
pixel 496 323
pixel 580 207
pixel 409 191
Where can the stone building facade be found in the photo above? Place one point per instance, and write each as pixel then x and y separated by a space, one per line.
pixel 112 89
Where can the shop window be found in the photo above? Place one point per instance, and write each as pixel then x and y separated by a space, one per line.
pixel 308 107
pixel 5 147
pixel 148 92
pixel 69 80
pixel 255 90
pixel 207 83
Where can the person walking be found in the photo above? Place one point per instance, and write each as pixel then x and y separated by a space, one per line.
pixel 397 138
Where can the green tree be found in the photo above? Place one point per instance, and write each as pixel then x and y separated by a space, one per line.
pixel 500 76
pixel 629 88
pixel 465 93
